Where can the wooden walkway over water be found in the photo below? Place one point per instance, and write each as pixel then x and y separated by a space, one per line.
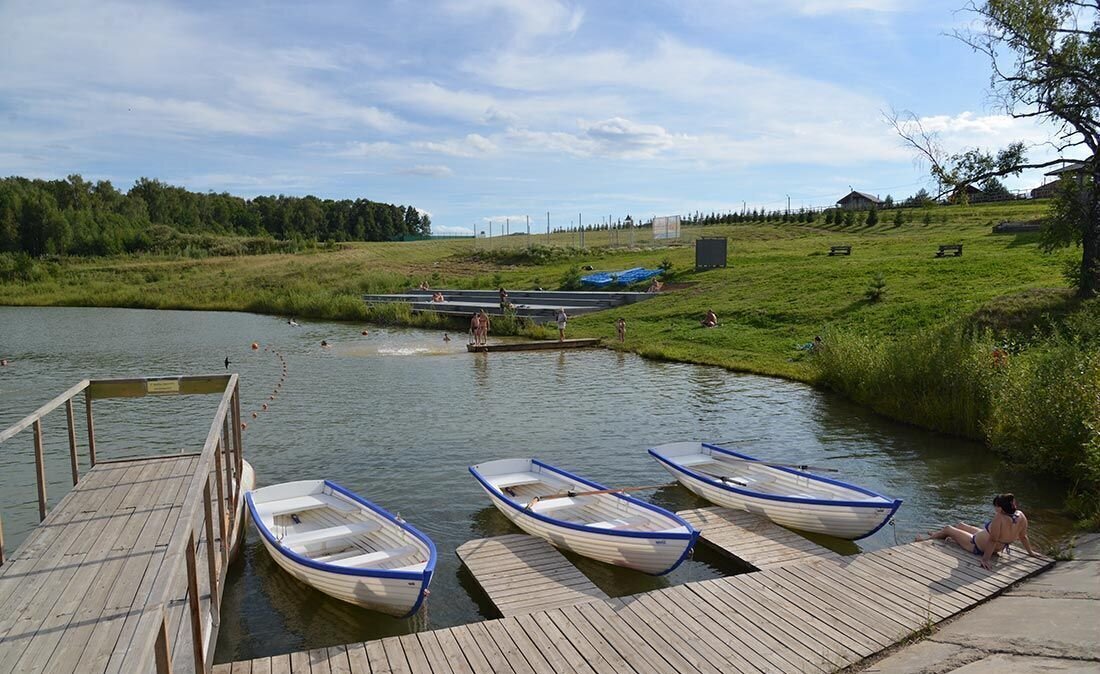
pixel 818 616
pixel 754 540
pixel 124 573
pixel 533 345
pixel 523 574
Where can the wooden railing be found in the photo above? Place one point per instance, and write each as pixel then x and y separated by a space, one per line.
pixel 217 473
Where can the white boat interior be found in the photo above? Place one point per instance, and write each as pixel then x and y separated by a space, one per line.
pixel 545 493
pixel 760 477
pixel 328 527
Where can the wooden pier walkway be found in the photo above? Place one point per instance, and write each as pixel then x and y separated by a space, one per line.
pixel 817 616
pixel 124 573
pixel 754 540
pixel 533 345
pixel 524 574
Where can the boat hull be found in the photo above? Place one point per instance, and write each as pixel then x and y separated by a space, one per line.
pixel 852 519
pixel 393 592
pixel 653 553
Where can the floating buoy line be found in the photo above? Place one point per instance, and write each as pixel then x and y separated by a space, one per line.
pixel 255 414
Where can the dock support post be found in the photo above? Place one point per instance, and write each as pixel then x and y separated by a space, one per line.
pixel 211 558
pixel 231 488
pixel 160 649
pixel 193 601
pixel 91 427
pixel 73 462
pixel 221 503
pixel 40 469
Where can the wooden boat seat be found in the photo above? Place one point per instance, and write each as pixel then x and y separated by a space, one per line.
pixel 374 558
pixel 297 504
pixel 328 534
pixel 620 523
pixel 513 480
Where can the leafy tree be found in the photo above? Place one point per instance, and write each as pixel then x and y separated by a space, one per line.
pixel 1045 61
pixel 994 190
pixel 888 202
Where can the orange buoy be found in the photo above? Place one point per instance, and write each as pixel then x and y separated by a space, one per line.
pixel 265 406
pixel 244 425
pixel 253 415
pixel 255 346
pixel 271 397
pixel 363 333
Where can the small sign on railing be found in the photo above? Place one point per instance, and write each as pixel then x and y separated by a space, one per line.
pixel 162 386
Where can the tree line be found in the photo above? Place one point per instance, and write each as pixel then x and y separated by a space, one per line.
pixel 78 217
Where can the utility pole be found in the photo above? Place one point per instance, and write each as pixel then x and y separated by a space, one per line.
pixel 788 204
pixel 528 232
pixel 490 234
pixel 580 228
pixel 508 224
pixel 547 228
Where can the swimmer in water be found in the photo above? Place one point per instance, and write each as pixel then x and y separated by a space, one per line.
pixel 446 337
pixel 324 343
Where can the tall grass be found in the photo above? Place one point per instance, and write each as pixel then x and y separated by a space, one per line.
pixel 1036 401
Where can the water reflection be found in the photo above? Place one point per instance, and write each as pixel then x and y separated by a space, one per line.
pixel 397 416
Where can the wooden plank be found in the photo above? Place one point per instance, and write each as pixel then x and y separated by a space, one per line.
pixel 414 653
pixel 262 665
pixel 453 652
pixel 718 627
pixel 626 643
pixel 563 660
pixel 521 574
pixel 469 645
pixel 242 667
pixel 565 647
pixel 357 658
pixel 338 660
pixel 681 655
pixel 599 660
pixel 499 636
pixel 280 664
pixel 753 539
pixel 853 619
pixel 433 653
pixel 299 662
pixel 779 655
pixel 319 661
pixel 716 651
pixel 536 658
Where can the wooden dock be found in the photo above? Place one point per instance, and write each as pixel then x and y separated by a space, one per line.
pixel 754 540
pixel 524 574
pixel 812 617
pixel 124 573
pixel 534 345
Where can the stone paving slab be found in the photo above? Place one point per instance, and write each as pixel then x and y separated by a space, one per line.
pixel 1030 625
pixel 1001 663
pixel 924 657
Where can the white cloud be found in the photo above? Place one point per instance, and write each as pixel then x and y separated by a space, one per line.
pixel 451 229
pixel 361 149
pixel 430 170
pixel 527 18
pixel 472 146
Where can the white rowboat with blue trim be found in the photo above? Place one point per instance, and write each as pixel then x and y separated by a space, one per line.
pixel 609 527
pixel 343 545
pixel 785 495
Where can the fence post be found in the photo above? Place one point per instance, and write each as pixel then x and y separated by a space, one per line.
pixel 91 427
pixel 40 469
pixel 231 488
pixel 160 649
pixel 211 559
pixel 193 600
pixel 73 462
pixel 221 501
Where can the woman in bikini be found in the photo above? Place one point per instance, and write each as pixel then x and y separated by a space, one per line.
pixel 1007 526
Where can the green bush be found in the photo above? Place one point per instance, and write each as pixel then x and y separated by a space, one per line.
pixel 876 289
pixel 571 279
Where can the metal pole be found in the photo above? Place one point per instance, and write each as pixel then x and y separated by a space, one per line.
pixel 490 233
pixel 528 231
pixel 580 229
pixel 547 228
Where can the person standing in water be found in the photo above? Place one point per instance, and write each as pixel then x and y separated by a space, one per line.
pixel 620 329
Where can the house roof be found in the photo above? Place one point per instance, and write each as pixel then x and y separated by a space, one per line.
pixel 855 193
pixel 1071 167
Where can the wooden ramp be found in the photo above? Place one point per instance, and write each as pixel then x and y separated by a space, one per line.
pixel 549 344
pixel 523 574
pixel 812 617
pixel 754 540
pixel 76 591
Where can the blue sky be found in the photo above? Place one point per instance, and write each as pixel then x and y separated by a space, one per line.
pixel 492 109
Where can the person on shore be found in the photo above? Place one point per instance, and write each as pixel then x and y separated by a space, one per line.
pixel 620 329
pixel 438 297
pixel 655 287
pixel 423 285
pixel 503 298
pixel 562 319
pixel 475 327
pixel 1008 525
pixel 710 320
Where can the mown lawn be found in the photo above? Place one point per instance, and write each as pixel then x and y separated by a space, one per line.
pixel 780 289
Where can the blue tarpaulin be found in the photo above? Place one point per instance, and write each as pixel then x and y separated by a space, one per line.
pixel 626 277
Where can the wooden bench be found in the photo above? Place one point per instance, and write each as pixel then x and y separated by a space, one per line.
pixel 840 250
pixel 954 249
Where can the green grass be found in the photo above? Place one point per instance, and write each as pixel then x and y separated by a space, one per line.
pixel 780 289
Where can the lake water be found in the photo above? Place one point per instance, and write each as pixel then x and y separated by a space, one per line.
pixel 398 415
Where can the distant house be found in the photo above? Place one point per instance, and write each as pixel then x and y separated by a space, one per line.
pixel 972 194
pixel 1077 170
pixel 859 201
